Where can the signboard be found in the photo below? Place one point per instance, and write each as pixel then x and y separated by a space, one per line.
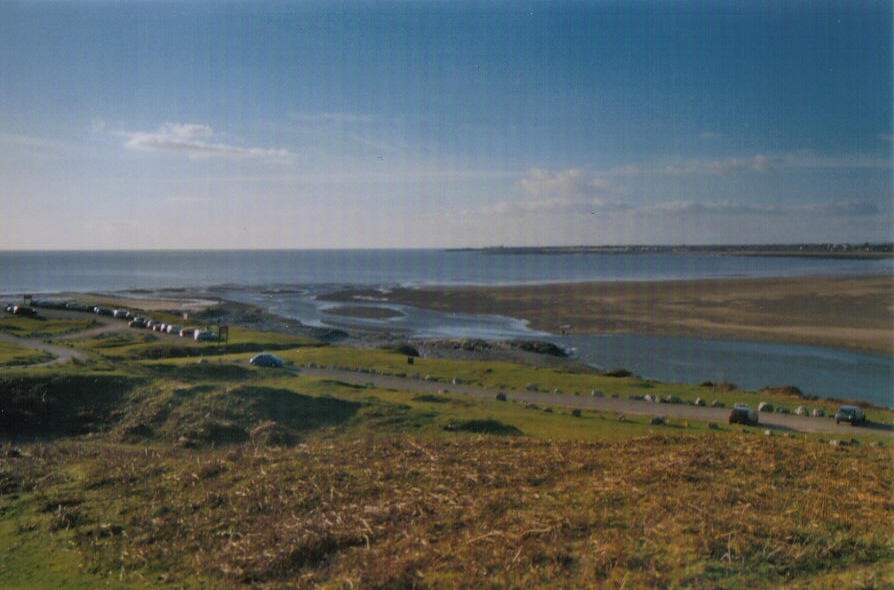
pixel 223 333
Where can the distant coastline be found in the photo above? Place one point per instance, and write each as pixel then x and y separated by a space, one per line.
pixel 864 251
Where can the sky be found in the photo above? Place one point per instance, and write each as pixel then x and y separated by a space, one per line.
pixel 206 125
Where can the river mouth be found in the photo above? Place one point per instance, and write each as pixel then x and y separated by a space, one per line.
pixel 365 312
pixel 751 365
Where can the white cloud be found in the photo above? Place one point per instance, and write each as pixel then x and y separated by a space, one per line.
pixel 540 182
pixel 192 141
pixel 571 191
pixel 565 183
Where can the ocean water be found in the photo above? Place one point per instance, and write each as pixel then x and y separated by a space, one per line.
pixel 288 283
pixel 106 271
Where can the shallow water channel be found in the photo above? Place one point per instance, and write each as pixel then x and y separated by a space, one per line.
pixel 818 371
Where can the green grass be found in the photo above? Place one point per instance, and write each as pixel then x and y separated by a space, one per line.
pixel 25 327
pixel 510 376
pixel 187 472
pixel 146 345
pixel 13 355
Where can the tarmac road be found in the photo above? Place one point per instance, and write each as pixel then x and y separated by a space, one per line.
pixel 775 422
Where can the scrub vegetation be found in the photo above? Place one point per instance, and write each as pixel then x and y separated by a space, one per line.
pixel 184 470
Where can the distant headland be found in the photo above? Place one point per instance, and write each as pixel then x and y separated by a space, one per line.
pixel 864 250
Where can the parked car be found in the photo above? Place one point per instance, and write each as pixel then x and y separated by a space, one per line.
pixel 187 332
pixel 175 330
pixel 205 336
pixel 102 310
pixel 265 359
pixel 852 414
pixel 121 314
pixel 49 304
pixel 742 414
pixel 24 310
pixel 137 322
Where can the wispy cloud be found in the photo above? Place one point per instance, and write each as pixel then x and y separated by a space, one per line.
pixel 345 118
pixel 187 199
pixel 31 141
pixel 674 209
pixel 849 208
pixel 758 163
pixel 196 141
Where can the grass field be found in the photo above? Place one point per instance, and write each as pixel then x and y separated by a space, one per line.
pixel 165 464
pixel 26 327
pixel 13 355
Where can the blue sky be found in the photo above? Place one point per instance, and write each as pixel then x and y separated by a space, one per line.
pixel 431 124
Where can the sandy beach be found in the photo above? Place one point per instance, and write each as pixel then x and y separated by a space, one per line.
pixel 854 313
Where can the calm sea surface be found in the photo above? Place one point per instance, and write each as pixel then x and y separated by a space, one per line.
pixel 287 282
pixel 48 272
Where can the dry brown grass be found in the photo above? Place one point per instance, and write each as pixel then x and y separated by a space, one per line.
pixel 468 511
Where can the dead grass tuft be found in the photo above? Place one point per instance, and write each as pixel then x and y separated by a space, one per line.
pixel 669 510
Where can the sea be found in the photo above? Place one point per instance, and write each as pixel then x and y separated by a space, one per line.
pixel 289 282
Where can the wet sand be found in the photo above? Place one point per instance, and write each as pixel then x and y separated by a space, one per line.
pixel 853 313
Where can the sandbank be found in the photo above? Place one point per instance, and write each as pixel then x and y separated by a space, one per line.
pixel 854 313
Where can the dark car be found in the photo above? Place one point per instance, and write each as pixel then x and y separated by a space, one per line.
pixel 742 414
pixel 137 322
pixel 851 414
pixel 24 310
pixel 265 359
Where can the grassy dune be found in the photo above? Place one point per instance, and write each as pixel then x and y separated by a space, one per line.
pixel 26 327
pixel 165 464
pixel 462 511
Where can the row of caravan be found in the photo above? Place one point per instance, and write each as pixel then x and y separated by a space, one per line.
pixel 134 321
